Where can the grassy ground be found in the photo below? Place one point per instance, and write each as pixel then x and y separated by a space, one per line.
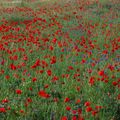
pixel 60 60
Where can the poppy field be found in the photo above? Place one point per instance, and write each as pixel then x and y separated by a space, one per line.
pixel 60 60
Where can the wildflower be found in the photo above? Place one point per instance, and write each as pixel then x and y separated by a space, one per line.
pixel 87 103
pixel 74 12
pixel 1 28
pixel 111 67
pixel 106 81
pixel 54 40
pixel 30 88
pixel 78 101
pixel 15 57
pixel 70 67
pixel 105 52
pixel 46 86
pixel 43 94
pixel 51 48
pixel 49 72
pixel 53 60
pixel 114 83
pixel 101 73
pixel 21 111
pixel 41 71
pixel 37 63
pixel 88 109
pixel 55 99
pixel 78 88
pixel 74 112
pixel 98 107
pixel 7 77
pixel 74 118
pixel 91 81
pixel 93 64
pixel 8 108
pixel 90 71
pixel 18 91
pixel 25 58
pixel 3 110
pixel 34 79
pixel 68 108
pixel 94 113
pixel 55 78
pixel 5 101
pixel 66 99
pixel 60 44
pixel 118 97
pixel 83 61
pixel 44 63
pixel 12 67
pixel 79 111
pixel 26 104
pixel 29 100
pixel 64 118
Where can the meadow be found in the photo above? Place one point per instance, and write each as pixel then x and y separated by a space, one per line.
pixel 60 60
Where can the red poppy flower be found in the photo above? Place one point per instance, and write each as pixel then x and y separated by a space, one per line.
pixel 74 118
pixel 55 78
pixel 87 103
pixel 44 63
pixel 64 118
pixel 70 67
pixel 54 40
pixel 78 88
pixel 101 73
pixel 3 110
pixel 68 108
pixel 46 86
pixel 7 77
pixel 5 101
pixel 74 112
pixel 34 79
pixel 60 44
pixel 91 81
pixel 41 71
pixel 21 111
pixel 79 110
pixel 83 61
pixel 88 109
pixel 118 97
pixel 94 113
pixel 55 99
pixel 114 83
pixel 105 52
pixel 53 60
pixel 12 67
pixel 30 88
pixel 78 101
pixel 49 72
pixel 25 58
pixel 37 63
pixel 29 100
pixel 51 48
pixel 67 99
pixel 43 94
pixel 18 91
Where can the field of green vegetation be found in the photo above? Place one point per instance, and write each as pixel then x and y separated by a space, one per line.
pixel 60 60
